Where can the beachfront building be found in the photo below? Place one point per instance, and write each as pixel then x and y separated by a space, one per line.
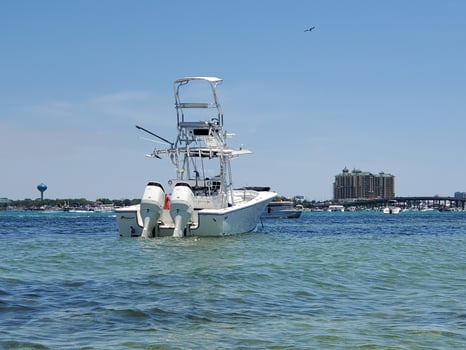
pixel 359 184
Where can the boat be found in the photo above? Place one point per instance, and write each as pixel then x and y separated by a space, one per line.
pixel 336 208
pixel 200 200
pixel 391 208
pixel 427 209
pixel 282 210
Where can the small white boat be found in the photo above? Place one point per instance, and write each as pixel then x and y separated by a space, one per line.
pixel 336 208
pixel 196 203
pixel 427 209
pixel 282 210
pixel 391 208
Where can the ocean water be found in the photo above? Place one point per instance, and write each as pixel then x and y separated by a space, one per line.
pixel 324 281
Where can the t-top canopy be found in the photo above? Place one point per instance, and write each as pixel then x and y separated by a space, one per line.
pixel 209 79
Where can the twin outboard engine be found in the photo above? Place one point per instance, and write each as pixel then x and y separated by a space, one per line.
pixel 181 207
pixel 152 203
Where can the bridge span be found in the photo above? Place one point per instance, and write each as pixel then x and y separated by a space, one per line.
pixel 436 202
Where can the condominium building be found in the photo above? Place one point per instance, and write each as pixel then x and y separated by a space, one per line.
pixel 359 184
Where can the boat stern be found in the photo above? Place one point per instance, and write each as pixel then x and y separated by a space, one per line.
pixel 128 221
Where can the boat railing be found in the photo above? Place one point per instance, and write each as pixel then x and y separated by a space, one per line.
pixel 194 125
pixel 200 128
pixel 195 105
pixel 244 195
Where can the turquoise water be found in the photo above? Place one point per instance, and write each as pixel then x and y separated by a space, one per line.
pixel 324 281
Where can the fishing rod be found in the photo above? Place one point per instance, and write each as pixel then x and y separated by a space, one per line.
pixel 151 133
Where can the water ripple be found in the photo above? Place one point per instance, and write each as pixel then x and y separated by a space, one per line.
pixel 344 280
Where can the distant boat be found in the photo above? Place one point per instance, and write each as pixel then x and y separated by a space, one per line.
pixel 427 209
pixel 282 210
pixel 201 200
pixel 391 208
pixel 336 208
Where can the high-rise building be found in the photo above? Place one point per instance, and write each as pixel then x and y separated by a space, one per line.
pixel 363 185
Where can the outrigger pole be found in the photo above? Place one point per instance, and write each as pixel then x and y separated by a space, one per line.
pixel 151 133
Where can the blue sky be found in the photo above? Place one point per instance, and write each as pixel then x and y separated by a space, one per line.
pixel 377 86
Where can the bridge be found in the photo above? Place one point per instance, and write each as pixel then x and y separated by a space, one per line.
pixel 409 202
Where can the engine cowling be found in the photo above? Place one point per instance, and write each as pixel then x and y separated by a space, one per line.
pixel 151 207
pixel 181 207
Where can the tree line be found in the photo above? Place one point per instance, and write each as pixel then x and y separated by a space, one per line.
pixel 71 202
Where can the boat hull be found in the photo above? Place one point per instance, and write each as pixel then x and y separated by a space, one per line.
pixel 239 218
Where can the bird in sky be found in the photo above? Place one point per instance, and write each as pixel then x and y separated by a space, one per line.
pixel 310 29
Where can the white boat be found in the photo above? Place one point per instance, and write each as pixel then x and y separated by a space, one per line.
pixel 336 208
pixel 427 209
pixel 282 210
pixel 391 208
pixel 201 200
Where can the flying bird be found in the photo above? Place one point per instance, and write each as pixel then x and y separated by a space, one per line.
pixel 310 29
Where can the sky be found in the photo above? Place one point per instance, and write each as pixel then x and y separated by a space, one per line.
pixel 376 86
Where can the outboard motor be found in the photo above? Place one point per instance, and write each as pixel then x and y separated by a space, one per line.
pixel 181 207
pixel 152 203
